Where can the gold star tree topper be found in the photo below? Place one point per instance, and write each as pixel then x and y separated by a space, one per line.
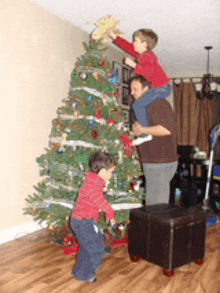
pixel 104 25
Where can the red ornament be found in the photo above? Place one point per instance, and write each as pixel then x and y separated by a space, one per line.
pixel 70 246
pixel 101 63
pixel 127 143
pixel 95 133
pixel 98 114
pixel 110 121
pixel 116 95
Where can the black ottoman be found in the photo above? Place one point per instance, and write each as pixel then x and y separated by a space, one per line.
pixel 168 236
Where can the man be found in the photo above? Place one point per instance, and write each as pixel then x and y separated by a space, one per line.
pixel 158 156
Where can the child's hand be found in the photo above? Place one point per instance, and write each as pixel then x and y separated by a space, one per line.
pixel 112 222
pixel 112 34
pixel 130 62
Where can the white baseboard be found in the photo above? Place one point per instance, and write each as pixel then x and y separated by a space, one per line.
pixel 20 231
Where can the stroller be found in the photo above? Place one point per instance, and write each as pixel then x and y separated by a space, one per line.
pixel 211 198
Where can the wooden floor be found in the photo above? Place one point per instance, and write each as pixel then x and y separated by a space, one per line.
pixel 30 264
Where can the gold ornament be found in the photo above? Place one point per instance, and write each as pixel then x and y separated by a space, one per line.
pixel 54 146
pixel 96 75
pixel 130 176
pixel 51 228
pixel 76 113
pixel 117 115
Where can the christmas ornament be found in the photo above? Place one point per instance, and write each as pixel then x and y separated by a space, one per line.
pixel 117 94
pixel 120 157
pixel 110 121
pixel 136 184
pixel 130 176
pixel 101 63
pixel 83 76
pixel 127 143
pixel 58 128
pixel 70 246
pixel 62 140
pixel 107 65
pixel 118 115
pixel 54 146
pixel 74 106
pixel 92 123
pixel 98 114
pixel 90 99
pixel 68 130
pixel 96 75
pixel 95 133
pixel 60 151
pixel 114 78
pixel 76 113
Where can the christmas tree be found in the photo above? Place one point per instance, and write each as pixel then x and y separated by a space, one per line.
pixel 90 120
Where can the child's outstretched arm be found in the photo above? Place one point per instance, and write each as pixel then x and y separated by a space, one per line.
pixel 112 35
pixel 123 44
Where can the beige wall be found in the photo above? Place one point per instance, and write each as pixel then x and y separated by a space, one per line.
pixel 37 54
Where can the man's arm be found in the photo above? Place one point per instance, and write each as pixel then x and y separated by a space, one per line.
pixel 157 130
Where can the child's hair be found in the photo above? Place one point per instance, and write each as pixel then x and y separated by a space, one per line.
pixel 141 79
pixel 148 36
pixel 101 160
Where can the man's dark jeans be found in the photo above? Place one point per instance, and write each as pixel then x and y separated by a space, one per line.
pixel 92 248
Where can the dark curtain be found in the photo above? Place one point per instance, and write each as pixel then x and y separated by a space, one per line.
pixel 194 117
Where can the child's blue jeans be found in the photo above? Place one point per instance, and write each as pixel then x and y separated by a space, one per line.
pixel 92 248
pixel 139 106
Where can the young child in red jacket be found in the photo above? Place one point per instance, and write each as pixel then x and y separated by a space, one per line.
pixel 85 216
pixel 146 65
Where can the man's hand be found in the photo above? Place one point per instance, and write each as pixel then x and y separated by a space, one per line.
pixel 137 129
pixel 156 130
pixel 130 62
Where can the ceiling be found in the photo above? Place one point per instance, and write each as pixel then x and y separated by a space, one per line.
pixel 184 27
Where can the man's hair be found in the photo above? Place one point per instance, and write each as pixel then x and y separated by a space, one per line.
pixel 141 79
pixel 101 160
pixel 148 36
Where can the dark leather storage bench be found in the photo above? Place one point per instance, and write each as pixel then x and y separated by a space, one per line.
pixel 168 236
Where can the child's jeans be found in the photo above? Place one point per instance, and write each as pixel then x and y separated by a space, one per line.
pixel 92 248
pixel 139 106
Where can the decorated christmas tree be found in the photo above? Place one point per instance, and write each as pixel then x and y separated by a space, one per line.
pixel 91 119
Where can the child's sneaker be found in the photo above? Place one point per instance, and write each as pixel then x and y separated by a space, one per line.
pixel 93 280
pixel 142 139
